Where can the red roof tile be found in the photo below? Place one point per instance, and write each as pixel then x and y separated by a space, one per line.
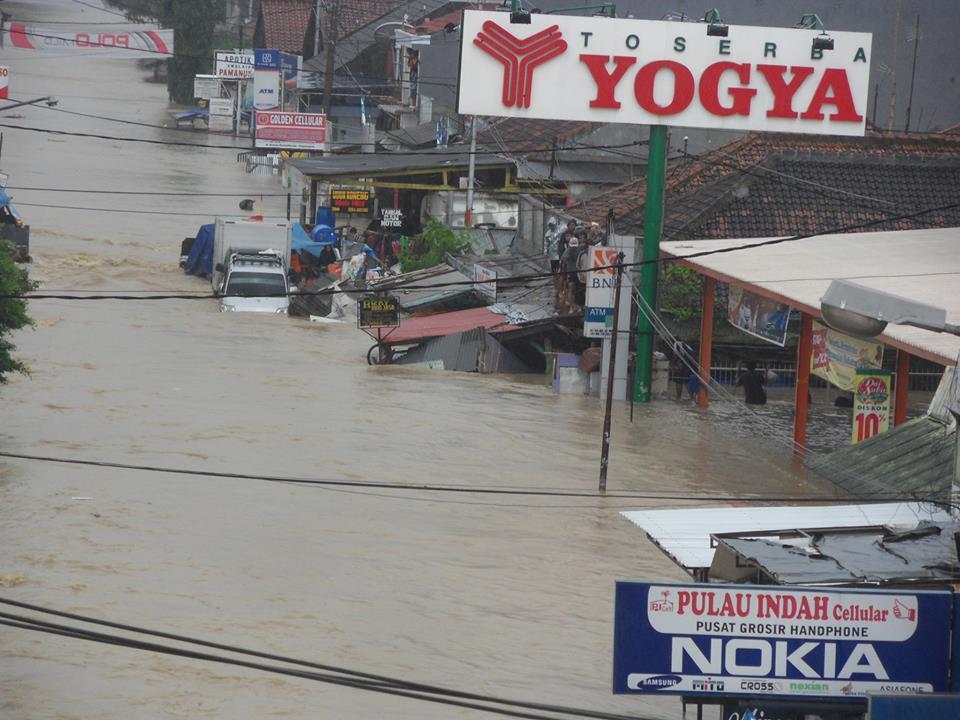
pixel 285 23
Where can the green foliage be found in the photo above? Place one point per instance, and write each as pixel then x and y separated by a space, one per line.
pixel 13 311
pixel 680 292
pixel 430 247
pixel 193 23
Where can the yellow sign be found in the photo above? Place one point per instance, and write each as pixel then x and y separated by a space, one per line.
pixel 871 403
pixel 836 356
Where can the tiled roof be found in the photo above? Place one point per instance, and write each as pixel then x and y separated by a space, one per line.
pixel 285 23
pixel 768 185
pixel 528 135
pixel 355 14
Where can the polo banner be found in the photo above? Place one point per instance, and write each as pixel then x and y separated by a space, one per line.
pixel 652 72
pixel 758 316
pixel 117 44
pixel 837 356
pixel 755 640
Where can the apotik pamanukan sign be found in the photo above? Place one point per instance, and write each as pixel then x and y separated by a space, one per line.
pixel 663 73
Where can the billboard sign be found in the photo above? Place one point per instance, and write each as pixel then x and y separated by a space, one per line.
pixel 758 316
pixel 871 403
pixel 220 113
pixel 128 44
pixel 206 86
pixel 350 200
pixel 759 641
pixel 598 311
pixel 234 65
pixel 291 131
pixel 4 82
pixel 649 72
pixel 837 356
pixel 378 312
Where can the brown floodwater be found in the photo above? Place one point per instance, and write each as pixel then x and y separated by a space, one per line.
pixel 511 595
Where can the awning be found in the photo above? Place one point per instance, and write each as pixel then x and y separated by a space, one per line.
pixel 422 328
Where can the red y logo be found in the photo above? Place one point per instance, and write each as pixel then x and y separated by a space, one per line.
pixel 519 57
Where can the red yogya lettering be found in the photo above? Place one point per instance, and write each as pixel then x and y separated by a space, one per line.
pixel 710 89
pixel 606 81
pixel 783 92
pixel 834 89
pixel 683 87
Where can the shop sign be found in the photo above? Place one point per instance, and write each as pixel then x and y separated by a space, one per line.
pixel 220 115
pixel 206 86
pixel 775 642
pixel 650 72
pixel 235 65
pixel 350 200
pixel 871 403
pixel 378 312
pixel 837 356
pixel 598 311
pixel 486 282
pixel 391 218
pixel 128 44
pixel 4 82
pixel 291 131
pixel 758 316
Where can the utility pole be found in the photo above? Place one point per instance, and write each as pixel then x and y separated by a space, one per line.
pixel 471 173
pixel 652 222
pixel 316 29
pixel 330 44
pixel 605 447
pixel 913 72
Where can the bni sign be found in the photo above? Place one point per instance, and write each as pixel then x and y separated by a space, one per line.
pixel 598 311
pixel 749 640
pixel 663 73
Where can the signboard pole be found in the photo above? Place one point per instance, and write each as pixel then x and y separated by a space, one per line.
pixel 605 447
pixel 652 220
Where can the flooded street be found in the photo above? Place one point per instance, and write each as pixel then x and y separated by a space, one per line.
pixel 511 595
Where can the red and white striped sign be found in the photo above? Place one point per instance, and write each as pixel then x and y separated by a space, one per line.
pixel 4 82
pixel 130 44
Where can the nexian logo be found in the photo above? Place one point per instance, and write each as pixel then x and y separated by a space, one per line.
pixel 654 682
pixel 519 57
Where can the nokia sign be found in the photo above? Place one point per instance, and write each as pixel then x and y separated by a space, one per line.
pixel 753 640
pixel 655 72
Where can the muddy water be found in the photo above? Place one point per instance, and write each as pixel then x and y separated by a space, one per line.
pixel 494 594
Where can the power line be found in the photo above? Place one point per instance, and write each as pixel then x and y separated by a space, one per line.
pixel 456 489
pixel 125 139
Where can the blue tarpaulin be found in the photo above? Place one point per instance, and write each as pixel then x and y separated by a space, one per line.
pixel 302 242
pixel 200 260
pixel 5 202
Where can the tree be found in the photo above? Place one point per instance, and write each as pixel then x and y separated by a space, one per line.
pixel 13 310
pixel 430 247
pixel 193 23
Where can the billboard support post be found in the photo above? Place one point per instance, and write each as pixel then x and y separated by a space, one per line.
pixel 652 221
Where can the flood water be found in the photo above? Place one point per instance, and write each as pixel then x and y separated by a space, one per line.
pixel 511 595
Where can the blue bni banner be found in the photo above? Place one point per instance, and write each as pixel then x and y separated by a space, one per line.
pixel 753 640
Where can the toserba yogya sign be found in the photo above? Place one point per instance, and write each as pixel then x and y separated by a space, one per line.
pixel 663 73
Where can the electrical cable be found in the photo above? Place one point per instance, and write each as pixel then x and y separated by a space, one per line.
pixel 381 680
pixel 516 278
pixel 447 488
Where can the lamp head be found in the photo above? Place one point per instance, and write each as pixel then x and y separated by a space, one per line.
pixel 862 311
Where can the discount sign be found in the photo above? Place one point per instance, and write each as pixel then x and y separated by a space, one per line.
pixel 871 403
pixel 4 82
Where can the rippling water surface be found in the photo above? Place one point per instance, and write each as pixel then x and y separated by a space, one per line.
pixel 511 595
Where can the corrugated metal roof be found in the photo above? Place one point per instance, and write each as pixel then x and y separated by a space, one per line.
pixel 927 553
pixel 684 534
pixel 922 265
pixel 422 328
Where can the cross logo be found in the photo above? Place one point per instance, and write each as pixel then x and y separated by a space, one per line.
pixel 519 57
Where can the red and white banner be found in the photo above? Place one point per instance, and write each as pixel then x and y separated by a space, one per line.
pixel 4 82
pixel 291 131
pixel 130 44
pixel 649 72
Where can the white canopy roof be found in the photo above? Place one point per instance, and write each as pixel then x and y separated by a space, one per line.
pixel 684 534
pixel 922 265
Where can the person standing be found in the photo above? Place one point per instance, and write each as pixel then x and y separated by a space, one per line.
pixel 752 383
pixel 551 245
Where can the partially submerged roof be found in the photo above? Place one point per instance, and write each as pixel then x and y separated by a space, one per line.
pixel 684 534
pixel 922 265
pixel 416 329
pixel 774 184
pixel 926 554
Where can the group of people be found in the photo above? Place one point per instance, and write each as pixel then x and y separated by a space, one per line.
pixel 567 250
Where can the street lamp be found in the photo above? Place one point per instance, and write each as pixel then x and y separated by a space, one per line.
pixel 864 312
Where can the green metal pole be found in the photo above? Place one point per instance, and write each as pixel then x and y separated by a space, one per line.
pixel 652 222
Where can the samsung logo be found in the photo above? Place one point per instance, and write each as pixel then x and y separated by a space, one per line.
pixel 653 682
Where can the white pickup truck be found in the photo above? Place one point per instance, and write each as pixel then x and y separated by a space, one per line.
pixel 251 258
